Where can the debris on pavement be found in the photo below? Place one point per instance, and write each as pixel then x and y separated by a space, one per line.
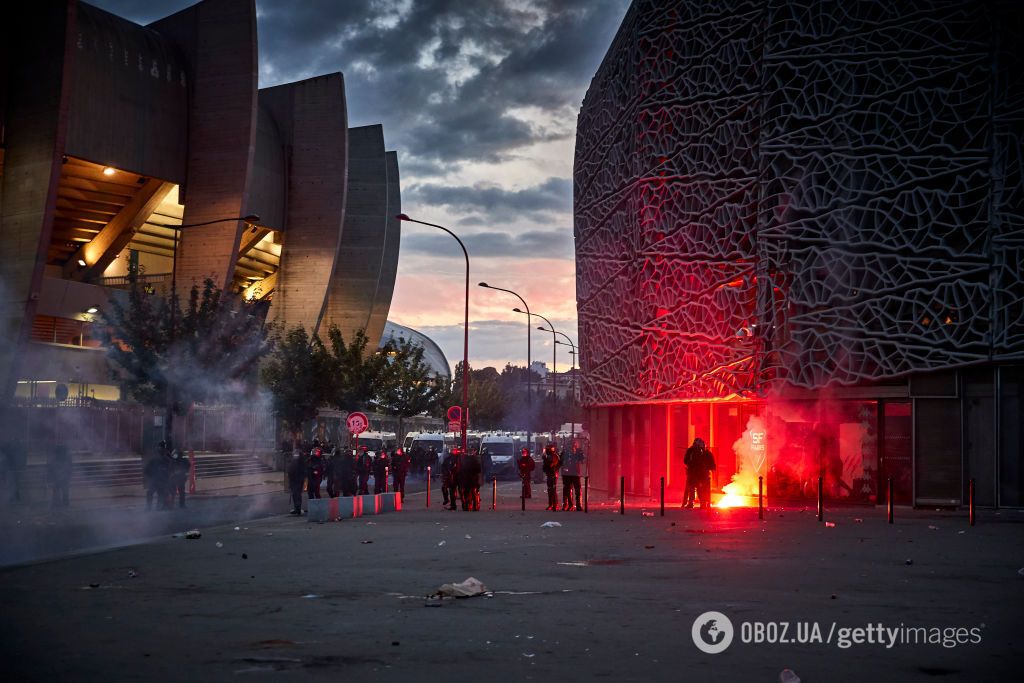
pixel 193 533
pixel 933 527
pixel 238 528
pixel 219 544
pixel 310 596
pixel 550 524
pixel 830 525
pixel 365 542
pixel 470 588
pixel 245 556
pixel 648 547
pixel 908 562
pixel 788 676
pixel 441 544
pixel 468 536
pixel 132 573
pixel 646 513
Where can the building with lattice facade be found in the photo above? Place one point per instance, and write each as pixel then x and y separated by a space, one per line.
pixel 799 228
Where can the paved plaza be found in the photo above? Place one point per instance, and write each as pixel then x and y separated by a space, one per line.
pixel 602 596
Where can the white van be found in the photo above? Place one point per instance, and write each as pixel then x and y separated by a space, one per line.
pixel 503 449
pixel 375 441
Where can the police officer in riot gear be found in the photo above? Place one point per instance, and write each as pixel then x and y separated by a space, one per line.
pixel 178 476
pixel 470 476
pixel 316 470
pixel 364 468
pixel 380 471
pixel 526 466
pixel 296 478
pixel 399 470
pixel 550 465
pixel 571 467
pixel 450 478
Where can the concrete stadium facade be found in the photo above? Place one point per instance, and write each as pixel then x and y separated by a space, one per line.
pixel 114 133
pixel 799 228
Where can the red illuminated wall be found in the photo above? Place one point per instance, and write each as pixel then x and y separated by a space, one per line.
pixel 813 192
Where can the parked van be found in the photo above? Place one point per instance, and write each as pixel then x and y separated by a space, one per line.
pixel 375 441
pixel 503 449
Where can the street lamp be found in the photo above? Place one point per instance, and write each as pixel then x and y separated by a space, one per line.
pixel 572 382
pixel 465 333
pixel 529 362
pixel 554 358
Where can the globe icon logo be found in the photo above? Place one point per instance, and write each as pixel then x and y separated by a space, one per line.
pixel 712 632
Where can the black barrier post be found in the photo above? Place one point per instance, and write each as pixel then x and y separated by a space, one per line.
pixel 888 500
pixel 522 496
pixel 663 496
pixel 622 495
pixel 821 498
pixel 760 497
pixel 428 487
pixel 586 494
pixel 494 493
pixel 386 475
pixel 970 501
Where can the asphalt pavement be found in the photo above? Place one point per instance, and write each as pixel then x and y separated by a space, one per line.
pixel 600 596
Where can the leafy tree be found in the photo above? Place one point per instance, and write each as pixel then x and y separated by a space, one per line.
pixel 297 376
pixel 487 402
pixel 408 388
pixel 173 357
pixel 355 375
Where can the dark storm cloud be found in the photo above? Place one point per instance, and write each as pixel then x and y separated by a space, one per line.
pixel 488 203
pixel 529 244
pixel 444 76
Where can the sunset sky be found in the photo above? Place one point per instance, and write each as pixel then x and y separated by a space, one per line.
pixel 479 98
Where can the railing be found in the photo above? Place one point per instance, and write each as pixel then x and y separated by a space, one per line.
pixel 142 279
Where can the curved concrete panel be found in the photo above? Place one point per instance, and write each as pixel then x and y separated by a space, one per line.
pixel 268 170
pixel 129 97
pixel 351 299
pixel 218 40
pixel 312 118
pixel 389 255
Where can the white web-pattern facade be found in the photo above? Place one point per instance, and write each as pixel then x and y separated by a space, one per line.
pixel 811 192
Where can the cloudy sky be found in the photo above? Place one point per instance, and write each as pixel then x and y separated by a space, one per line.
pixel 479 98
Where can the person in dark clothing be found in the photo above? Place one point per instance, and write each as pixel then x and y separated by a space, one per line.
pixel 296 478
pixel 450 478
pixel 58 471
pixel 571 467
pixel 526 466
pixel 364 468
pixel 550 464
pixel 316 470
pixel 399 470
pixel 15 461
pixel 333 472
pixel 380 472
pixel 699 465
pixel 349 473
pixel 486 464
pixel 177 476
pixel 154 478
pixel 690 460
pixel 470 481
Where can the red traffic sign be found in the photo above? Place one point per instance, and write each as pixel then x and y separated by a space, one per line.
pixel 455 414
pixel 454 426
pixel 357 422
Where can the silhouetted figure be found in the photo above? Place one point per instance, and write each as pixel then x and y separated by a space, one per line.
pixel 58 471
pixel 155 475
pixel 347 473
pixel 333 472
pixel 572 466
pixel 380 472
pixel 316 470
pixel 399 471
pixel 15 460
pixel 550 465
pixel 296 479
pixel 450 478
pixel 178 476
pixel 364 468
pixel 692 462
pixel 470 480
pixel 526 466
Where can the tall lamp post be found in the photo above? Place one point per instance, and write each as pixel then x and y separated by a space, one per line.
pixel 529 362
pixel 572 383
pixel 465 333
pixel 554 360
pixel 251 218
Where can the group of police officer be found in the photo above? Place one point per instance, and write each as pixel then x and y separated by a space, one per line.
pixel 346 472
pixel 164 477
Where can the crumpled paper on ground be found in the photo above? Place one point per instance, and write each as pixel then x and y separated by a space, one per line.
pixel 470 588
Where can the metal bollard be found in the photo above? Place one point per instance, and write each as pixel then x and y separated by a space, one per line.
pixel 888 500
pixel 494 493
pixel 663 496
pixel 821 499
pixel 428 487
pixel 622 495
pixel 970 501
pixel 586 494
pixel 522 496
pixel 760 497
pixel 387 475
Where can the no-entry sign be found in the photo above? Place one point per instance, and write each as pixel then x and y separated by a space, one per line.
pixel 357 422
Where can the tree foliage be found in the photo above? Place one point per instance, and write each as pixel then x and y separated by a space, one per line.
pixel 297 376
pixel 204 353
pixel 408 387
pixel 355 376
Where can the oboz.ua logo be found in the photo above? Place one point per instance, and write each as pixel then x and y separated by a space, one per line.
pixel 712 632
